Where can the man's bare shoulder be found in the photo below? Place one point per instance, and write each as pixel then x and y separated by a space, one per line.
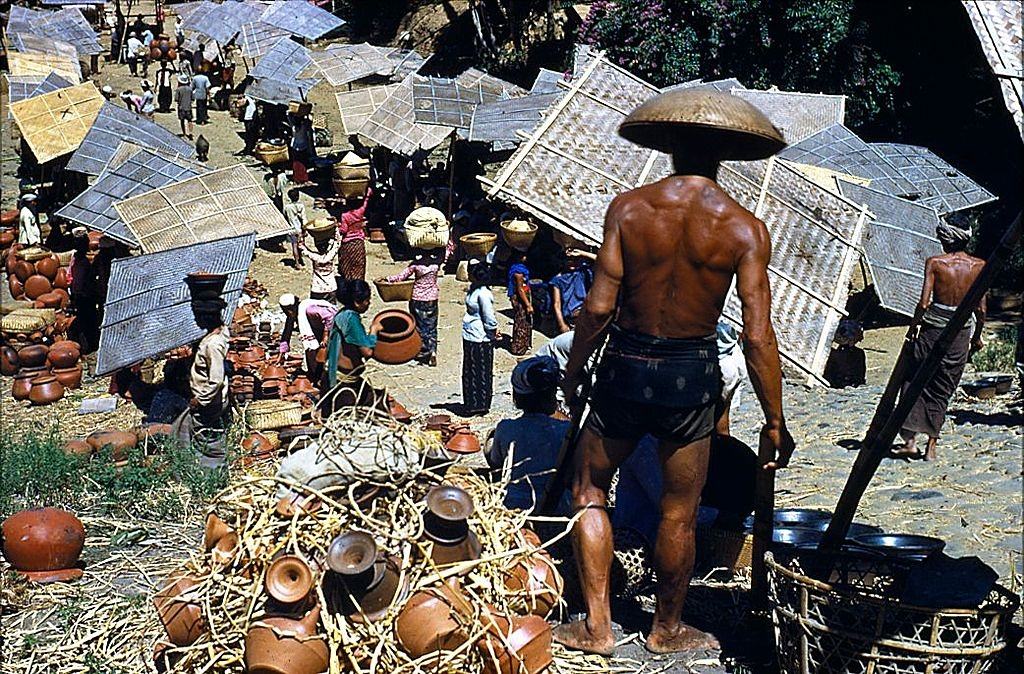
pixel 686 193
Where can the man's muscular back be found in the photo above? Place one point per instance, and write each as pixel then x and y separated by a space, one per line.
pixel 950 276
pixel 682 240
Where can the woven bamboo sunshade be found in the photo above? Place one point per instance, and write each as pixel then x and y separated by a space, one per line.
pixel 356 106
pixel 257 37
pixel 393 124
pixel 826 178
pixel 284 60
pixel 1000 29
pixel 41 65
pixel 54 124
pixel 344 63
pixel 439 100
pixel 31 43
pixel 215 205
pixel 942 186
pixel 71 26
pixel 795 113
pixel 301 18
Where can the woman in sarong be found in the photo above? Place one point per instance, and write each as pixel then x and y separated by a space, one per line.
pixel 522 305
pixel 479 333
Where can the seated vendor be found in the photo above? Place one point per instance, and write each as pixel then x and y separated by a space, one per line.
pixel 569 288
pixel 525 450
pixel 312 318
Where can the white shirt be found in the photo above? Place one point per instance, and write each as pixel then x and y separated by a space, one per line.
pixel 479 323
pixel 29 233
pixel 250 109
pixel 558 348
pixel 134 46
pixel 207 378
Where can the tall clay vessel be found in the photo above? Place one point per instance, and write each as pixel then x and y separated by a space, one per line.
pixel 44 544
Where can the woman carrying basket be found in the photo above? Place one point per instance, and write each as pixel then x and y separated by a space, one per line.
pixel 423 305
pixel 352 227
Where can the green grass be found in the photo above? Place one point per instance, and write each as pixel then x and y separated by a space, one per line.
pixel 998 353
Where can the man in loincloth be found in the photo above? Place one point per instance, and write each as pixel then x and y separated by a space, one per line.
pixel 947 278
pixel 671 251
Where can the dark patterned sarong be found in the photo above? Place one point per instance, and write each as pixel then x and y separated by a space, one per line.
pixel 929 412
pixel 352 260
pixel 425 314
pixel 522 329
pixel 477 375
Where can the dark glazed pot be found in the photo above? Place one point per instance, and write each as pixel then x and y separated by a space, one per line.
pixel 181 616
pixel 33 355
pixel 44 544
pixel 397 341
pixel 9 362
pixel 45 390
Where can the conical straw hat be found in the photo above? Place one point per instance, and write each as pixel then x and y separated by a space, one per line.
pixel 726 125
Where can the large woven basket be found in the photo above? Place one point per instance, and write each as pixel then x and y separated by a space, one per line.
pixel 720 548
pixel 27 320
pixel 855 623
pixel 518 234
pixel 265 414
pixel 397 291
pixel 64 257
pixel 426 228
pixel 33 253
pixel 478 244
pixel 271 154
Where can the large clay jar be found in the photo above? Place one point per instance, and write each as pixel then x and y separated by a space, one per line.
pixel 37 285
pixel 397 340
pixel 69 377
pixel 429 621
pixel 16 286
pixel 23 269
pixel 45 390
pixel 289 579
pixel 49 300
pixel 280 645
pixel 358 572
pixel 181 615
pixel 33 355
pixel 525 649
pixel 119 441
pixel 62 295
pixel 9 362
pixel 44 544
pixel 64 353
pixel 22 385
pixel 536 584
pixel 61 279
pixel 48 267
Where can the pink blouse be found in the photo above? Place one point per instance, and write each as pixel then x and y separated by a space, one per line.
pixel 424 289
pixel 352 224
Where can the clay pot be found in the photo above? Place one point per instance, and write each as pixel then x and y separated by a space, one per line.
pixel 17 288
pixel 531 537
pixel 296 503
pixel 64 353
pixel 181 615
pixel 48 300
pixel 22 385
pixel 44 544
pixel 397 341
pixel 77 448
pixel 37 285
pixel 445 524
pixel 9 217
pixel 45 390
pixel 525 649
pixel 259 444
pixel 48 267
pixel 33 355
pixel 280 645
pixel 7 237
pixel 61 279
pixel 536 583
pixel 94 240
pixel 23 269
pixel 204 285
pixel 224 550
pixel 464 441
pixel 60 293
pixel 428 623
pixel 351 553
pixel 289 579
pixel 153 431
pixel 303 385
pixel 273 372
pixel 398 411
pixel 69 377
pixel 9 362
pixel 216 529
pixel 374 588
pixel 439 422
pixel 119 441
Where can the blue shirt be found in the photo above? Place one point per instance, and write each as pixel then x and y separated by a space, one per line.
pixel 573 285
pixel 347 328
pixel 517 268
pixel 533 441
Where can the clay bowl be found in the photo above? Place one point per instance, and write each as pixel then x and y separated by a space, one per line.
pixel 9 362
pixel 280 645
pixel 37 285
pixel 439 422
pixel 260 444
pixel 69 377
pixel 289 506
pixel 44 544
pixel 289 579
pixel 64 353
pixel 428 623
pixel 464 441
pixel 398 411
pixel 204 285
pixel 181 616
pixel 23 269
pixel 48 267
pixel 273 372
pixel 33 355
pixel 397 340
pixel 525 650
pixel 45 390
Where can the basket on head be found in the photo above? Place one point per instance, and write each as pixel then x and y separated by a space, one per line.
pixel 270 154
pixel 265 414
pixel 701 118
pixel 478 244
pixel 426 228
pixel 321 228
pixel 518 234
pixel 398 291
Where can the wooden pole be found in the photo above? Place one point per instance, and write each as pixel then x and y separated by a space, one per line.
pixel 764 526
pixel 882 433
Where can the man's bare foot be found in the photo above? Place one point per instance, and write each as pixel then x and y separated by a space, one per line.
pixel 578 636
pixel 683 638
pixel 930 454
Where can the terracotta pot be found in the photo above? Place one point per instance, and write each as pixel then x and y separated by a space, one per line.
pixel 45 390
pixel 48 301
pixel 16 286
pixel 273 372
pixel 428 623
pixel 289 579
pixel 94 240
pixel 61 279
pixel 303 385
pixel 78 448
pixel 152 431
pixel 526 649
pixel 374 590
pixel 180 614
pixel 23 269
pixel 7 237
pixel 65 298
pixel 119 441
pixel 64 353
pixel 44 544
pixel 259 444
pixel 33 355
pixel 445 524
pixel 297 503
pixel 69 377
pixel 216 529
pixel 464 441
pixel 203 285
pixel 439 422
pixel 531 537
pixel 280 645
pixel 537 584
pixel 224 550
pixel 37 285
pixel 397 341
pixel 9 362
pixel 48 267
pixel 398 411
pixel 9 217
pixel 22 385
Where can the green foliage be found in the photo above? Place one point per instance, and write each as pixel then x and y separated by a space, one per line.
pixel 805 45
pixel 998 354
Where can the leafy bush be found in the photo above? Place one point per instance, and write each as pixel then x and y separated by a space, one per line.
pixel 998 354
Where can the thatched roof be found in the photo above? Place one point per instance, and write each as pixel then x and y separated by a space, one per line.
pixel 54 124
pixel 1000 28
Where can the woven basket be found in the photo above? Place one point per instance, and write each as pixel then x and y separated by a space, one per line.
pixel 28 320
pixel 478 244
pixel 33 254
pixel 719 548
pixel 265 414
pixel 321 228
pixel 271 154
pixel 399 291
pixel 64 258
pixel 426 228
pixel 518 234
pixel 859 626
pixel 14 305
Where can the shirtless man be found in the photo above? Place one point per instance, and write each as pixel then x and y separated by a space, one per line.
pixel 947 278
pixel 670 253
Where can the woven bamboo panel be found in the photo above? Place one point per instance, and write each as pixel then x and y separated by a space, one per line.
pixel 942 185
pixel 70 26
pixel 257 37
pixel 53 82
pixel 194 13
pixel 301 18
pixel 501 122
pixel 899 238
pixel 30 42
pixel 132 170
pixel 826 178
pixel 147 310
pixel 225 20
pixel 393 124
pixel 998 24
pixel 439 100
pixel 840 149
pixel 54 124
pixel 19 19
pixel 405 62
pixel 41 65
pixel 344 63
pixel 726 85
pixel 357 106
pixel 115 125
pixel 273 90
pixel 215 205
pixel 547 81
pixel 20 87
pixel 474 77
pixel 798 115
pixel 815 238
pixel 283 61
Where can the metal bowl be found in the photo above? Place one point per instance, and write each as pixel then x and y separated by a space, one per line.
pixel 903 546
pixel 800 517
pixel 856 528
pixel 795 536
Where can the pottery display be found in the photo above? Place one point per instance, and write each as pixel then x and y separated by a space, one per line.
pixel 181 616
pixel 215 529
pixel 22 269
pixel 428 621
pixel 33 355
pixel 536 583
pixel 9 362
pixel 281 645
pixel 397 340
pixel 463 441
pixel 48 300
pixel 36 285
pixel 446 525
pixel 45 390
pixel 48 267
pixel 289 579
pixel 64 354
pixel 77 448
pixel 69 377
pixel 525 649
pixel 44 544
pixel 118 441
pixel 22 385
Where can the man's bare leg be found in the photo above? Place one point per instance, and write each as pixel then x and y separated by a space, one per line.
pixel 909 447
pixel 929 454
pixel 684 470
pixel 597 459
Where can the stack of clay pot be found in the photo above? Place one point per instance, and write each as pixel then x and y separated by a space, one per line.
pixel 42 373
pixel 44 544
pixel 261 376
pixel 39 278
